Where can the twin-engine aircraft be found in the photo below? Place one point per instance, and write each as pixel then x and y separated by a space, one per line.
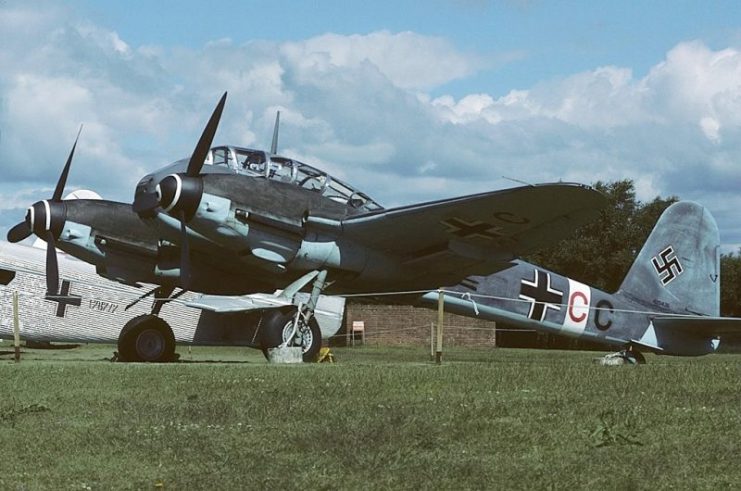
pixel 231 221
pixel 669 303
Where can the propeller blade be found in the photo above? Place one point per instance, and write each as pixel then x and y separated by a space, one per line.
pixel 184 254
pixel 52 268
pixel 204 143
pixel 19 232
pixel 63 177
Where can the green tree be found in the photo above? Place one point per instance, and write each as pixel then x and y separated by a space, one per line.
pixel 730 285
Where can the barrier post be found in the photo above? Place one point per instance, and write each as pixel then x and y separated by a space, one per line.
pixel 432 341
pixel 16 328
pixel 440 315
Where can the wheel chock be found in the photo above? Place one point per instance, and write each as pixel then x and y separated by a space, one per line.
pixel 325 356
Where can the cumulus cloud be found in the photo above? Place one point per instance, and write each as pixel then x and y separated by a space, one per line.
pixel 360 107
pixel 404 58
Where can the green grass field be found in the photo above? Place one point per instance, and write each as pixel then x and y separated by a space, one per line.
pixel 379 418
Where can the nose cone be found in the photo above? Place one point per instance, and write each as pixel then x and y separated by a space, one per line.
pixel 38 217
pixel 46 216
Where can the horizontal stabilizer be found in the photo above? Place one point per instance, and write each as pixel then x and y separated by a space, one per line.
pixel 699 326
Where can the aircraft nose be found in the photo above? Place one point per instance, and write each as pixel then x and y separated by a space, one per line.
pixel 46 216
pixel 145 196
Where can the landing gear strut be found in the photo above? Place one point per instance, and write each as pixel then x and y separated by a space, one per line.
pixel 295 326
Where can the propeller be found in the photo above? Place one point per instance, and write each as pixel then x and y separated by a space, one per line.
pixel 204 143
pixel 52 268
pixel 19 232
pixel 46 219
pixel 184 254
pixel 179 194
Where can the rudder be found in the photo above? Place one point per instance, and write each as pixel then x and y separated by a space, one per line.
pixel 678 268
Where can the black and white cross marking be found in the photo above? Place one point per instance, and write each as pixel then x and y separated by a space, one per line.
pixel 669 267
pixel 541 294
pixel 64 298
pixel 463 229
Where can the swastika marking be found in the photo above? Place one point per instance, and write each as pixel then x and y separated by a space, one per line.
pixel 667 265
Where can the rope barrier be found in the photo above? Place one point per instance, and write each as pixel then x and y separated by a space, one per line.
pixel 116 295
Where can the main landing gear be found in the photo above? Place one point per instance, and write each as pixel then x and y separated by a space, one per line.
pixel 149 338
pixel 146 338
pixel 627 356
pixel 295 326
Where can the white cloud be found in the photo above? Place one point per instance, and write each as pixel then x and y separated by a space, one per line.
pixel 409 60
pixel 359 106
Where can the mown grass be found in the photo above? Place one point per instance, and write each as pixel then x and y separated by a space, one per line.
pixel 379 418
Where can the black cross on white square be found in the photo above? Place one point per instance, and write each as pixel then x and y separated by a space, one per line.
pixel 64 298
pixel 462 228
pixel 541 294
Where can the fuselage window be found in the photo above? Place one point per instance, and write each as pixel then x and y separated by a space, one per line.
pixel 220 156
pixel 252 160
pixel 6 276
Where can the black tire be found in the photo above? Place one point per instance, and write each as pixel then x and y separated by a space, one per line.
pixel 632 357
pixel 638 357
pixel 146 338
pixel 277 323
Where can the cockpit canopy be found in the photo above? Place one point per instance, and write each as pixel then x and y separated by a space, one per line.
pixel 258 163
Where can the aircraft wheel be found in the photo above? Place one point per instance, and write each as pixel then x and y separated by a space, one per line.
pixel 633 357
pixel 636 357
pixel 146 338
pixel 277 325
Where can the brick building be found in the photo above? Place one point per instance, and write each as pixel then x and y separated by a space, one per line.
pixel 407 325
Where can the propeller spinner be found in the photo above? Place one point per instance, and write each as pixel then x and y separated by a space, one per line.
pixel 46 219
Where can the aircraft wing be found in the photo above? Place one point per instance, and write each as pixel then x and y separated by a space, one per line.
pixel 329 310
pixel 699 326
pixel 229 304
pixel 223 304
pixel 488 228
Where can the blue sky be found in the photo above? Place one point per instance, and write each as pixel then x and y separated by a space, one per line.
pixel 543 39
pixel 410 101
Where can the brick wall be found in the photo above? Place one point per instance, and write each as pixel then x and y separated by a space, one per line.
pixel 407 325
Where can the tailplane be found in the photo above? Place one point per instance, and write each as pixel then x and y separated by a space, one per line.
pixel 678 269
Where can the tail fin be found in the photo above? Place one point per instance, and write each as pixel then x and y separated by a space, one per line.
pixel 678 269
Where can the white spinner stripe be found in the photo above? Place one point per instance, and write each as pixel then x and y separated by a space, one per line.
pixel 47 208
pixel 178 190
